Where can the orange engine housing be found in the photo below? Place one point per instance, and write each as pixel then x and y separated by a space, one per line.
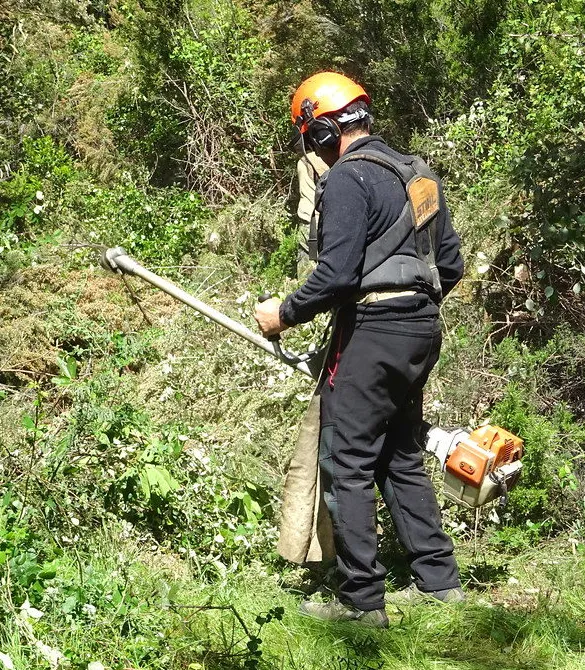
pixel 481 452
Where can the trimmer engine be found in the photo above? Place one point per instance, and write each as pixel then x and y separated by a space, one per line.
pixel 478 466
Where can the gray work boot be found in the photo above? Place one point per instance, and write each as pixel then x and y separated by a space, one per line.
pixel 412 595
pixel 337 611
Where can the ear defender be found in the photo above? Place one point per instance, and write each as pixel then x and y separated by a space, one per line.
pixel 323 132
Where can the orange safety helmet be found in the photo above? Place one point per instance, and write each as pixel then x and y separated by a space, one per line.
pixel 329 92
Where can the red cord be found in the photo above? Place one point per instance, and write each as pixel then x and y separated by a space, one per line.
pixel 333 370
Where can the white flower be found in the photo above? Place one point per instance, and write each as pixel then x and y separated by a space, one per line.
pixel 148 208
pixel 53 656
pixel 89 609
pixel 242 299
pixel 6 661
pixel 74 521
pixel 38 209
pixel 40 195
pixel 166 394
pixel 27 611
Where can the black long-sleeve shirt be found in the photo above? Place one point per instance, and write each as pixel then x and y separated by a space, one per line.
pixel 361 201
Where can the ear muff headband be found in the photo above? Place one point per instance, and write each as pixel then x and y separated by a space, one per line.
pixel 323 132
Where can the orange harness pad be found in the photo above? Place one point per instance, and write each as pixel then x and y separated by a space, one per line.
pixel 423 194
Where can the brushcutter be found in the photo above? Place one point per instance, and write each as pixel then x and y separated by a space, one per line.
pixel 478 466
pixel 309 363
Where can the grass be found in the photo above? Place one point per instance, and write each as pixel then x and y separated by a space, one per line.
pixel 167 616
pixel 129 602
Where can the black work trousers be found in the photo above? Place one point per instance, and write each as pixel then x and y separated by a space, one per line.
pixel 371 411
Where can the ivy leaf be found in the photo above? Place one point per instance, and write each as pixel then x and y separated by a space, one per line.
pixel 549 291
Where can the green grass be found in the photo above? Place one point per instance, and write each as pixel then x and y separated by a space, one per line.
pixel 132 602
pixel 167 616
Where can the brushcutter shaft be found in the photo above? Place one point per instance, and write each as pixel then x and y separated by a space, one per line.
pixel 116 260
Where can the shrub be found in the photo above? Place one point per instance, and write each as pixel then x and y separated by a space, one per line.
pixel 157 225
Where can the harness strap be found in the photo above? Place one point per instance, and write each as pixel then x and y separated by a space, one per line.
pixel 377 296
pixel 385 246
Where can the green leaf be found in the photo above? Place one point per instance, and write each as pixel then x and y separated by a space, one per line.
pixel 28 422
pixel 72 367
pixel 48 572
pixel 159 480
pixel 68 368
pixel 70 604
pixel 116 596
pixel 255 508
pixel 549 291
pixel 144 484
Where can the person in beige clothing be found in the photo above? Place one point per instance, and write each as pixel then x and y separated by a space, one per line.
pixel 309 169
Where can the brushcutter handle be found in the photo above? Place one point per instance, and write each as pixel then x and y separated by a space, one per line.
pixel 263 298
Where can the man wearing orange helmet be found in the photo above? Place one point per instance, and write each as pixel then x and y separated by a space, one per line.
pixel 387 255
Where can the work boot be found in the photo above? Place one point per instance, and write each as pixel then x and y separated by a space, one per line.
pixel 412 595
pixel 337 611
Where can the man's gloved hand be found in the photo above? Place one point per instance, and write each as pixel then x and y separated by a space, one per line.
pixel 268 317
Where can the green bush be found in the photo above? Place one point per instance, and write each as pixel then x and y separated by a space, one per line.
pixel 157 225
pixel 526 133
pixel 33 190
pixel 546 494
pixel 87 49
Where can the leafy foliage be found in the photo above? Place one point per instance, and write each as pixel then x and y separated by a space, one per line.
pixel 142 466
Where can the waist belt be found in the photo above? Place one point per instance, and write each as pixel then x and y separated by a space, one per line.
pixel 377 296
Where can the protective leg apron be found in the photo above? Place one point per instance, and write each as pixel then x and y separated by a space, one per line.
pixel 371 405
